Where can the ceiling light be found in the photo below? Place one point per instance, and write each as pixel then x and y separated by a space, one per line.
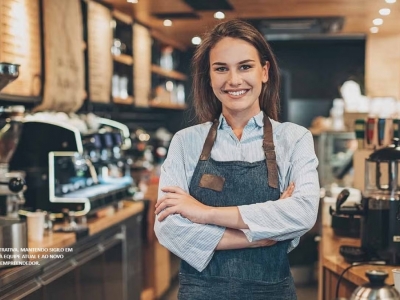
pixel 196 40
pixel 384 11
pixel 374 29
pixel 167 23
pixel 390 1
pixel 132 1
pixel 377 21
pixel 219 15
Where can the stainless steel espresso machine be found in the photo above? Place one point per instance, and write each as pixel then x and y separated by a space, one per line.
pixel 71 171
pixel 13 231
pixel 380 209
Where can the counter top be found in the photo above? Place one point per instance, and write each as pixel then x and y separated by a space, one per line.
pixel 332 260
pixel 62 240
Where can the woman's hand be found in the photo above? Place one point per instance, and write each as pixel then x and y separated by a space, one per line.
pixel 177 201
pixel 288 192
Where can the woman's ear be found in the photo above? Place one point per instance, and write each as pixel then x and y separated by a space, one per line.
pixel 265 70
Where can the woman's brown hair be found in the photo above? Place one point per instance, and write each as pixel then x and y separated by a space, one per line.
pixel 206 104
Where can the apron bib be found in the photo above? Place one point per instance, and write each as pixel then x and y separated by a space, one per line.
pixel 252 273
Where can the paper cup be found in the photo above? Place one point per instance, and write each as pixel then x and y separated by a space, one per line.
pixel 35 223
pixel 396 278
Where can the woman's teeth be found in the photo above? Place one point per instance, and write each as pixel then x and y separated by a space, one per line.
pixel 237 93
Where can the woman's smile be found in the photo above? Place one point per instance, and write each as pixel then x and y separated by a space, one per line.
pixel 237 93
pixel 237 76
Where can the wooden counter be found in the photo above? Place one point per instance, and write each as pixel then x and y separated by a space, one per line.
pixel 332 264
pixel 62 240
pixel 118 232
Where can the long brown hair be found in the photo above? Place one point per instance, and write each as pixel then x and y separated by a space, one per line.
pixel 206 104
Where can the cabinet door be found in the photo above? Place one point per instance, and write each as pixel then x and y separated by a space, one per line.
pixel 63 288
pixel 91 275
pixel 114 276
pixel 30 290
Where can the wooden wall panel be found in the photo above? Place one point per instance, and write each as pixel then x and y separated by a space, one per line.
pixel 382 66
pixel 64 59
pixel 99 47
pixel 142 64
pixel 20 43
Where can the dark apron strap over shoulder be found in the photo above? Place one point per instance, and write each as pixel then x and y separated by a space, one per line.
pixel 209 143
pixel 269 151
pixel 268 146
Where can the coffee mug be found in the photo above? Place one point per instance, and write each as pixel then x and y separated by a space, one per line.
pixel 396 278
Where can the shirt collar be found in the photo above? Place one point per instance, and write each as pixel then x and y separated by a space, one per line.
pixel 257 120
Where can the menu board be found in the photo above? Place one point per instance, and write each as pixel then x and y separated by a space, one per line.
pixel 20 44
pixel 64 87
pixel 99 50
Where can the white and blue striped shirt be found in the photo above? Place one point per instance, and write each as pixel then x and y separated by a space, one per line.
pixel 276 220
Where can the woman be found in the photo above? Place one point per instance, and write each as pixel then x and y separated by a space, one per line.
pixel 216 207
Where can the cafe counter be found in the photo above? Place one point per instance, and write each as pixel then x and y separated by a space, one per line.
pixel 332 264
pixel 105 264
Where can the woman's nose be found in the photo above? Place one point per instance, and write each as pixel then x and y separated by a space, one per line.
pixel 234 78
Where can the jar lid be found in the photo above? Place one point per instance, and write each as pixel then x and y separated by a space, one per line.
pixel 376 288
pixel 389 153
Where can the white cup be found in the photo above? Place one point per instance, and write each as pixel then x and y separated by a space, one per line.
pixel 35 223
pixel 396 278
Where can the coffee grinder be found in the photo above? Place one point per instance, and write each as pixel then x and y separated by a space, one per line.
pixel 380 217
pixel 13 233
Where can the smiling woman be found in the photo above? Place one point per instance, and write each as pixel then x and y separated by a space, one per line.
pixel 236 82
pixel 237 191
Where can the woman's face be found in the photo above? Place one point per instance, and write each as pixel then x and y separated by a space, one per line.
pixel 237 75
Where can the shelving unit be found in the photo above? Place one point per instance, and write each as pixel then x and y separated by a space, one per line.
pixel 155 104
pixel 123 59
pixel 128 100
pixel 168 73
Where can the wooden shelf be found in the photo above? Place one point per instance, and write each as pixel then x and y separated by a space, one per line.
pixel 122 17
pixel 128 100
pixel 154 104
pixel 167 73
pixel 123 59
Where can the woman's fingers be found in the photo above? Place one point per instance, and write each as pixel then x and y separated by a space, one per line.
pixel 164 204
pixel 166 212
pixel 173 189
pixel 165 197
pixel 288 192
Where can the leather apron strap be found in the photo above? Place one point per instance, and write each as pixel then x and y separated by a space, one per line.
pixel 269 151
pixel 209 143
pixel 268 146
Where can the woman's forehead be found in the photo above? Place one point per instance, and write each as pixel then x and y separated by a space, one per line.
pixel 233 50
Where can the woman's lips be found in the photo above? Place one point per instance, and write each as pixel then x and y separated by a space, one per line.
pixel 237 93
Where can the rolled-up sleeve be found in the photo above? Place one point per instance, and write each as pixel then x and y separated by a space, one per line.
pixel 288 218
pixel 192 242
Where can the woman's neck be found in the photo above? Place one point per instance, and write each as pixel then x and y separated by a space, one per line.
pixel 237 122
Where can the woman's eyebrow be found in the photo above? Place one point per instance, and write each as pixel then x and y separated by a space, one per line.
pixel 239 63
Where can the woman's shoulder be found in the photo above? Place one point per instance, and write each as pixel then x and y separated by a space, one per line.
pixel 196 131
pixel 289 130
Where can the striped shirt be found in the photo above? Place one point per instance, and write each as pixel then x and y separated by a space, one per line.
pixel 276 220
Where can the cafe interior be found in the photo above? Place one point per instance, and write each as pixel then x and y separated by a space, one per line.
pixel 92 92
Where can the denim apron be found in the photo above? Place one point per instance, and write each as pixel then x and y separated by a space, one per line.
pixel 251 273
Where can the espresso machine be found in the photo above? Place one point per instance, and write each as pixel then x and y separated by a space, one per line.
pixel 13 232
pixel 380 206
pixel 70 170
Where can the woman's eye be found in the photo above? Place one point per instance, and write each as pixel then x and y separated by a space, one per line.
pixel 220 69
pixel 245 67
